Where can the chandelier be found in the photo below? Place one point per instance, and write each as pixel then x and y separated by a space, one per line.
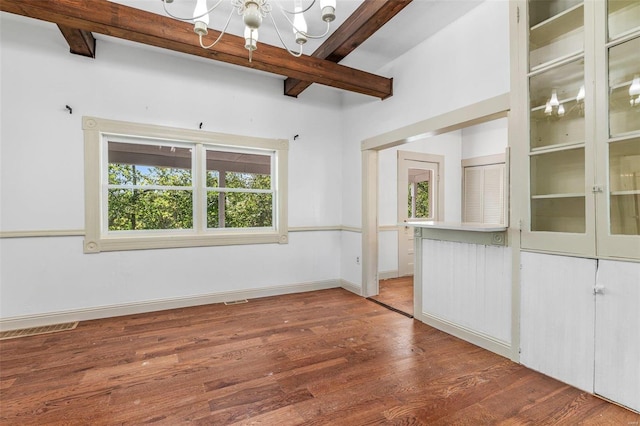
pixel 253 12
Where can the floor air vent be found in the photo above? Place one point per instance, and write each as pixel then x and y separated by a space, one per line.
pixel 236 302
pixel 34 331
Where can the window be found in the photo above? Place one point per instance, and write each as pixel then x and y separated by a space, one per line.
pixel 483 190
pixel 420 199
pixel 158 187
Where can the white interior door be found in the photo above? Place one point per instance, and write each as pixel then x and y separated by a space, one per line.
pixel 418 192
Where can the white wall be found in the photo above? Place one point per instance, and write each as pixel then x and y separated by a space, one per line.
pixel 485 139
pixel 41 164
pixel 42 171
pixel 465 63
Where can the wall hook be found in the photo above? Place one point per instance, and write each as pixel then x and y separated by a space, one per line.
pixel 295 138
pixel 68 108
pixel 200 125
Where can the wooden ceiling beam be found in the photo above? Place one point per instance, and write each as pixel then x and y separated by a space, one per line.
pixel 81 42
pixel 370 16
pixel 113 19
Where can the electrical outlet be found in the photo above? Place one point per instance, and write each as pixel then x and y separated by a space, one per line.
pixel 357 260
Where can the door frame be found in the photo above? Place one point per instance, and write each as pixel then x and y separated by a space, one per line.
pixel 437 196
pixel 481 112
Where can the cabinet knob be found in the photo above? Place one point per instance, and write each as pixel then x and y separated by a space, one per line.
pixel 599 289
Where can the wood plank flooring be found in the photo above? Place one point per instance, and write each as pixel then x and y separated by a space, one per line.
pixel 321 358
pixel 397 293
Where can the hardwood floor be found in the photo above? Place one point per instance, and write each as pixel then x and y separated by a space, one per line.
pixel 326 357
pixel 397 293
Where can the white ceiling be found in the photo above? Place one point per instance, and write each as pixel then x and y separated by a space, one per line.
pixel 414 24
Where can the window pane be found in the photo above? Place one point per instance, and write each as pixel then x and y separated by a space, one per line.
pixel 240 168
pixel 419 197
pixel 137 164
pixel 134 209
pixel 557 106
pixel 213 179
pixel 214 200
pixel 624 87
pixel 624 16
pixel 624 186
pixel 247 180
pixel 246 210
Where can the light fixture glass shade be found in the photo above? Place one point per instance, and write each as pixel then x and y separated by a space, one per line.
pixel 561 110
pixel 554 99
pixel 300 26
pixel 634 89
pixel 548 109
pixel 201 9
pixel 581 94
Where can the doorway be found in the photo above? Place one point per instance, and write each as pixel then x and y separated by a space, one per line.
pixel 418 197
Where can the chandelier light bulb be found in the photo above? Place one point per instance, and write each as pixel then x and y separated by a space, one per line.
pixel 548 110
pixel 554 99
pixel 328 10
pixel 634 89
pixel 300 26
pixel 581 94
pixel 201 18
pixel 561 110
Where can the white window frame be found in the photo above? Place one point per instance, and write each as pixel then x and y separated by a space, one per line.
pixel 97 133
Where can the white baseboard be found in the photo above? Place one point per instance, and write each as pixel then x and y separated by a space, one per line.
pixel 28 321
pixel 387 275
pixel 479 339
pixel 349 286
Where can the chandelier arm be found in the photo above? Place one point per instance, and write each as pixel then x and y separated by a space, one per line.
pixel 293 13
pixel 191 18
pixel 318 36
pixel 304 33
pixel 292 53
pixel 224 30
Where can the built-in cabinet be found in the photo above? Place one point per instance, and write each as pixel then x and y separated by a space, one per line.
pixel 580 323
pixel 579 103
pixel 582 62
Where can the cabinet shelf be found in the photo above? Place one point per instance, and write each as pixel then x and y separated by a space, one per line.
pixel 556 147
pixel 556 196
pixel 556 26
pixel 623 193
pixel 556 62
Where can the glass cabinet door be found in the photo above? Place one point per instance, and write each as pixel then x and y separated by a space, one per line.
pixel 618 225
pixel 557 116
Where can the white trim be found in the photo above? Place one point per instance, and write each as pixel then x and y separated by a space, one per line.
pixel 97 133
pixel 387 275
pixel 315 228
pixel 27 321
pixel 352 229
pixel 80 232
pixel 479 339
pixel 349 286
pixel 467 116
pixel 43 233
